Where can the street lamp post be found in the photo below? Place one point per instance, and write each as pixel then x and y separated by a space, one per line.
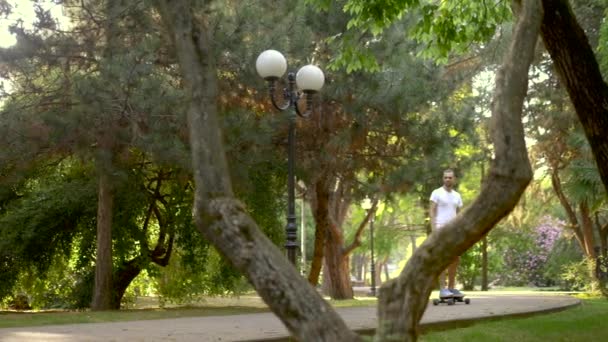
pixel 271 65
pixel 367 205
pixel 373 265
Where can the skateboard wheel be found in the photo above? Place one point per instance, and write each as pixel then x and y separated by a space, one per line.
pixel 467 301
pixel 435 301
pixel 450 301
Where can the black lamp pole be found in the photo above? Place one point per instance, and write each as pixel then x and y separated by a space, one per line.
pixel 271 65
pixel 291 97
pixel 373 264
pixel 291 229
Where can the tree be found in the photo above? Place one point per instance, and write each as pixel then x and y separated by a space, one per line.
pixel 54 111
pixel 76 89
pixel 561 147
pixel 54 218
pixel 563 36
pixel 567 43
pixel 223 220
pixel 218 215
pixel 369 142
pixel 75 104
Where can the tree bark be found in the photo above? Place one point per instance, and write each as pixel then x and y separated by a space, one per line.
pixel 357 266
pixel 578 70
pixel 320 209
pixel 102 293
pixel 336 277
pixel 330 210
pixel 123 278
pixel 574 222
pixel 603 236
pixel 587 228
pixel 484 247
pixel 484 264
pixel 217 214
pixel 402 301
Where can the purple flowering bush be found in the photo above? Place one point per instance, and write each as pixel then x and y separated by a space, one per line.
pixel 527 255
pixel 546 235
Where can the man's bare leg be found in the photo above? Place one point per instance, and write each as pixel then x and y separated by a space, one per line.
pixel 443 280
pixel 452 273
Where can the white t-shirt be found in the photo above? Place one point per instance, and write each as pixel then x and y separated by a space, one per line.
pixel 447 204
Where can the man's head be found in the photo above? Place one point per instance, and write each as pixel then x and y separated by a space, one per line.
pixel 448 179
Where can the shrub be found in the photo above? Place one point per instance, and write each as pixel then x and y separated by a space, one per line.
pixel 576 276
pixel 527 255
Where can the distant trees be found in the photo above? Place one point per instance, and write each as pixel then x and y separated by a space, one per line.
pixel 75 104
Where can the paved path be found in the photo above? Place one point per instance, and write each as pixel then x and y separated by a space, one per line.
pixel 265 326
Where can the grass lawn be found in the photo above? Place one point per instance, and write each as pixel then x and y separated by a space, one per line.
pixel 586 322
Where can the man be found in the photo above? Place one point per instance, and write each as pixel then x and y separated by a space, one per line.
pixel 445 204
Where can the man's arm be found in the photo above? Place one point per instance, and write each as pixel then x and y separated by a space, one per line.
pixel 433 214
pixel 459 206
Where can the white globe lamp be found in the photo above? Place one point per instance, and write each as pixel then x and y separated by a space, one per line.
pixel 271 64
pixel 310 78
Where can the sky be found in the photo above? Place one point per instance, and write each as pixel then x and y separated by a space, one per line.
pixel 23 9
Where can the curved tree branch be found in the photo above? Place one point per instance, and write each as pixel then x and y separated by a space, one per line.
pixel 402 301
pixel 574 224
pixel 579 71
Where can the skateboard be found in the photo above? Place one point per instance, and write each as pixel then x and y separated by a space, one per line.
pixel 451 297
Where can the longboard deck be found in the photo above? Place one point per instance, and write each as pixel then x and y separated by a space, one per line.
pixel 450 297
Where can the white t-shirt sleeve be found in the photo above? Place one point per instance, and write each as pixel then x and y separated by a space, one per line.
pixel 434 196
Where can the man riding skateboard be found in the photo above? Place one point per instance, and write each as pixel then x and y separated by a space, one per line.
pixel 445 204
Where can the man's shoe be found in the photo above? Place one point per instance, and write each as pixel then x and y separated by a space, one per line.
pixel 445 293
pixel 456 293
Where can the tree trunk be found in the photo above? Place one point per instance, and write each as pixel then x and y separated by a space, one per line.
pixel 578 70
pixel 574 224
pixel 402 301
pixel 102 294
pixel 603 235
pixel 329 241
pixel 320 210
pixel 484 264
pixel 386 273
pixel 336 278
pixel 337 255
pixel 217 214
pixel 357 266
pixel 129 270
pixel 587 228
pixel 601 265
pixel 484 247
pixel 123 278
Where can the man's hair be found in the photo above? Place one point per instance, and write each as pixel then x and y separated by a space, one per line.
pixel 449 171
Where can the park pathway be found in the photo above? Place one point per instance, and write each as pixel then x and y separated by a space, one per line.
pixel 266 327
